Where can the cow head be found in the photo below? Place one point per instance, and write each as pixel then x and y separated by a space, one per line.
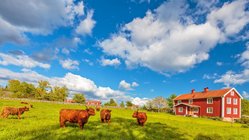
pixel 135 114
pixel 90 111
pixel 108 114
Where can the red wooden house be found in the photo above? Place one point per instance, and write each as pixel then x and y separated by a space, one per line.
pixel 224 103
pixel 93 103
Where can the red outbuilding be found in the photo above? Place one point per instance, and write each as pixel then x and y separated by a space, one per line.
pixel 224 103
pixel 93 103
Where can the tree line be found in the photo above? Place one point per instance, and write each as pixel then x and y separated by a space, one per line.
pixel 42 91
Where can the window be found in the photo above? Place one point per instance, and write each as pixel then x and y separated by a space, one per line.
pixel 196 110
pixel 209 110
pixel 179 101
pixel 229 110
pixel 228 100
pixel 180 109
pixel 190 101
pixel 235 111
pixel 235 101
pixel 232 93
pixel 210 101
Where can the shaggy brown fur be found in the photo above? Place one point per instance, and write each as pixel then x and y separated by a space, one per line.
pixel 141 117
pixel 13 111
pixel 105 115
pixel 75 116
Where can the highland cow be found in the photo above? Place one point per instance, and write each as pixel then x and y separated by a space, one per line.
pixel 30 105
pixel 75 116
pixel 141 117
pixel 105 115
pixel 13 111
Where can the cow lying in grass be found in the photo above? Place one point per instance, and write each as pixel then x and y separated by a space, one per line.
pixel 30 105
pixel 141 117
pixel 105 115
pixel 13 111
pixel 75 116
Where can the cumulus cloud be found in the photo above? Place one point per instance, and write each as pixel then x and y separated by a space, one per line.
pixel 38 17
pixel 21 60
pixel 127 86
pixel 139 101
pixel 110 62
pixel 70 64
pixel 86 25
pixel 75 83
pixel 167 40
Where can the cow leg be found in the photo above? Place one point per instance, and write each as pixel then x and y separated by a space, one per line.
pixel 62 122
pixel 102 120
pixel 81 124
pixel 19 116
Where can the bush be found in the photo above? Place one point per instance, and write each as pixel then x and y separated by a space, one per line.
pixel 208 137
pixel 245 126
pixel 243 120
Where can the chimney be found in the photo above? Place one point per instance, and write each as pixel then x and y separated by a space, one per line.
pixel 205 90
pixel 192 91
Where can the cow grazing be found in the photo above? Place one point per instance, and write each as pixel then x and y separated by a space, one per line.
pixel 30 105
pixel 13 111
pixel 141 117
pixel 97 108
pixel 105 115
pixel 75 116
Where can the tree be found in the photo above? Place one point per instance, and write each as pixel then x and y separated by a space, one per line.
pixel 171 102
pixel 159 103
pixel 79 98
pixel 41 90
pixel 128 103
pixel 122 104
pixel 14 85
pixel 245 107
pixel 113 103
pixel 58 93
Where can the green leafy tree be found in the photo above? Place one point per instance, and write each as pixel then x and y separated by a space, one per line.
pixel 122 104
pixel 170 101
pixel 113 103
pixel 58 93
pixel 41 90
pixel 14 85
pixel 128 103
pixel 79 98
pixel 245 107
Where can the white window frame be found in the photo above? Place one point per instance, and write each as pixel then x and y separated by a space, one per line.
pixel 210 99
pixel 190 101
pixel 180 109
pixel 235 111
pixel 230 101
pixel 235 101
pixel 210 112
pixel 232 93
pixel 179 101
pixel 228 111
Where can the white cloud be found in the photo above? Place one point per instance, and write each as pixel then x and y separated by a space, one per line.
pixel 245 94
pixel 232 78
pixel 86 25
pixel 75 83
pixel 88 62
pixel 192 81
pixel 70 64
pixel 208 76
pixel 167 40
pixel 219 63
pixel 21 60
pixel 140 101
pixel 231 17
pixel 39 17
pixel 127 86
pixel 110 62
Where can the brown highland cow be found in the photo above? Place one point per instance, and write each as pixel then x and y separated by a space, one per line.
pixel 141 117
pixel 105 115
pixel 13 111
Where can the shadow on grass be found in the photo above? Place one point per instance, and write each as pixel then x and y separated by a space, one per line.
pixel 119 128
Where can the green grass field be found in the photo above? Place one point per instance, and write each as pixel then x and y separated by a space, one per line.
pixel 42 122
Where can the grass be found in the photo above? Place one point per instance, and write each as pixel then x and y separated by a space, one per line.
pixel 42 122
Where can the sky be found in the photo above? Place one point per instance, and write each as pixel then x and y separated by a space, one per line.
pixel 126 49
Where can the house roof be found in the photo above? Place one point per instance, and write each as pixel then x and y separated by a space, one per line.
pixel 187 105
pixel 200 95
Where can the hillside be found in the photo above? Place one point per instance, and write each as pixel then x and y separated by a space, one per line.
pixel 42 122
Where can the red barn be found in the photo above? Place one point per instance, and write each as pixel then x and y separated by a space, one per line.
pixel 224 103
pixel 93 103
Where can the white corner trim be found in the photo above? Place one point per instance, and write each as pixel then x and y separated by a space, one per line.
pixel 186 110
pixel 222 107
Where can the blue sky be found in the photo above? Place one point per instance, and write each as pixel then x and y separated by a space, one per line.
pixel 127 49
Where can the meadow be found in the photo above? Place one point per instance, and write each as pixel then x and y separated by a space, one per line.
pixel 42 122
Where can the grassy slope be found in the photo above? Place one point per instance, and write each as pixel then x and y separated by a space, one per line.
pixel 42 122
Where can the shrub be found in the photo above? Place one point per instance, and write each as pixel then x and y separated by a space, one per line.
pixel 208 137
pixel 243 120
pixel 245 126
